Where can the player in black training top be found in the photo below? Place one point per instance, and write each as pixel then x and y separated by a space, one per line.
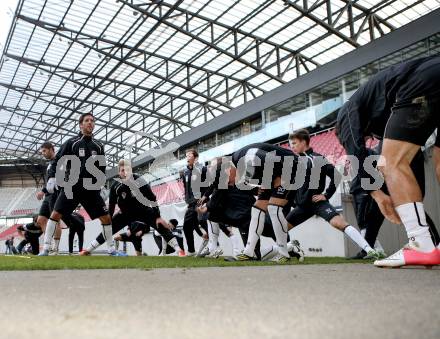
pixel 193 172
pixel 313 198
pixel 262 165
pixel 137 204
pixel 400 104
pixel 47 150
pixel 80 160
pixel 31 233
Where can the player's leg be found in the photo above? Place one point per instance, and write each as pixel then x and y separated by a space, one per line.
pixel 158 240
pixel 275 207
pixel 71 237
pixel 96 208
pixel 326 211
pixel 35 245
pixel 407 199
pixel 44 214
pixel 62 206
pixel 21 245
pixel 137 244
pixel 214 232
pixel 119 221
pixel 56 239
pixel 190 222
pixel 373 221
pixel 407 129
pixel 418 168
pixel 202 231
pixel 235 241
pixel 256 226
pixel 272 252
pixel 165 233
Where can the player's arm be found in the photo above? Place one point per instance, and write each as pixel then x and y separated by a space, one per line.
pixel 148 193
pixel 112 200
pixel 65 149
pixel 103 167
pixel 333 174
pixel 350 131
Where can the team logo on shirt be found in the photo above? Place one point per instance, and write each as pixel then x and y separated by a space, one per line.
pixel 281 190
pixel 82 152
pixel 124 195
pixel 94 154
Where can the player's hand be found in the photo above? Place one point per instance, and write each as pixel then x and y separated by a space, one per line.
pixel 201 201
pixel 139 234
pixel 318 197
pixel 161 221
pixel 386 206
pixel 40 195
pixel 51 185
pixel 205 236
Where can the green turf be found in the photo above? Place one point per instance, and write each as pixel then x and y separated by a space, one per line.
pixel 16 263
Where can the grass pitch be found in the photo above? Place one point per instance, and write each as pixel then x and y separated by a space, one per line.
pixel 23 263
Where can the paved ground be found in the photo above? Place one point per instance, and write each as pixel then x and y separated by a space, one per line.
pixel 310 301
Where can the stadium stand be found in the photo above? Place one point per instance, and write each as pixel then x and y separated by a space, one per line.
pixel 169 192
pixel 18 201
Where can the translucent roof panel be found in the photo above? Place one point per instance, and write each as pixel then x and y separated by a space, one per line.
pixel 163 67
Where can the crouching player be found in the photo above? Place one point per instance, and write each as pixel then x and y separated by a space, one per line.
pixel 137 203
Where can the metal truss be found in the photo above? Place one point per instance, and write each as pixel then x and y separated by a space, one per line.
pixel 164 67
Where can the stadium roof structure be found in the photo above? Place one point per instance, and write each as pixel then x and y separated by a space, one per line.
pixel 151 70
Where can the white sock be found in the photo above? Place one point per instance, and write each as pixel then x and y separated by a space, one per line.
pixel 56 244
pixel 107 232
pixel 268 253
pixel 173 243
pixel 279 224
pixel 414 219
pixel 255 230
pixel 164 247
pixel 357 238
pixel 236 244
pixel 48 234
pixel 93 246
pixel 213 232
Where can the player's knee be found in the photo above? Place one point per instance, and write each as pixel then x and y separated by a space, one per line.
pixel 55 216
pixel 41 222
pixel 274 210
pixel 338 222
pixel 105 219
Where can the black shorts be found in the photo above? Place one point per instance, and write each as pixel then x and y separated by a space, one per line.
pixel 45 209
pixel 278 192
pixel 90 200
pixel 136 241
pixel 360 204
pixel 120 220
pixel 322 209
pixel 47 205
pixel 414 122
